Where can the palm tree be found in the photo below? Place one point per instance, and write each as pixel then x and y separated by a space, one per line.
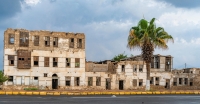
pixel 146 36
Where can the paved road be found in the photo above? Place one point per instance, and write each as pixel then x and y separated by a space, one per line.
pixel 102 99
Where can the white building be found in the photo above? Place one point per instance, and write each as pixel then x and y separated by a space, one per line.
pixel 44 59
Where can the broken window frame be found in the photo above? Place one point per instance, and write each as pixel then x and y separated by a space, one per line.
pixel 186 81
pixel 134 68
pixel 98 81
pixel 79 43
pixel 90 81
pixel 157 62
pixel 68 62
pixel 76 81
pixel 77 62
pixel 36 61
pixel 36 40
pixel 55 61
pixel 174 81
pixel 23 59
pixel 71 43
pixel 140 68
pixel 123 68
pixel 157 78
pixel 24 39
pixel 55 41
pixel 152 80
pixel 180 80
pixel 11 39
pixel 168 63
pixel 11 59
pixel 68 81
pixel 47 41
pixel 140 83
pixel 10 78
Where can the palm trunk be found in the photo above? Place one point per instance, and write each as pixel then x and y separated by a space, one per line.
pixel 148 76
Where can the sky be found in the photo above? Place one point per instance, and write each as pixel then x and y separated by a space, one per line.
pixel 106 24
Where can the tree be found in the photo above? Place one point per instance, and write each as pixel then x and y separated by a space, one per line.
pixel 146 36
pixel 119 57
pixel 3 78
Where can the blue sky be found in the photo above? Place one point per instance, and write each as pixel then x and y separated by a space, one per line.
pixel 106 24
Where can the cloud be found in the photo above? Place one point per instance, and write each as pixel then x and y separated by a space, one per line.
pixel 106 24
pixel 183 3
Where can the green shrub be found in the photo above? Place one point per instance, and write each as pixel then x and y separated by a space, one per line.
pixel 30 88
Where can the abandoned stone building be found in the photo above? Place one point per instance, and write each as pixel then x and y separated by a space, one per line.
pixel 45 59
pixel 56 60
pixel 129 73
pixel 188 78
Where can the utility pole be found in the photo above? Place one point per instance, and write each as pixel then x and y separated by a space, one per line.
pixel 185 65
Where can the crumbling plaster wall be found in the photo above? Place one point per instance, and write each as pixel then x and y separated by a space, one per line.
pixel 62 51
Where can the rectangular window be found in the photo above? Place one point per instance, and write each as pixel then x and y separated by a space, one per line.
pixel 10 78
pixel 135 82
pixel 157 62
pixel 55 62
pixel 186 81
pixel 90 81
pixel 47 41
pixel 36 60
pixel 140 82
pixel 134 68
pixel 98 81
pixel 67 62
pixel 35 78
pixel 180 81
pixel 76 81
pixel 46 61
pixel 71 43
pixel 79 43
pixel 175 81
pixel 77 62
pixel 151 81
pixel 123 68
pixel 11 59
pixel 67 81
pixel 24 39
pixel 11 39
pixel 45 74
pixel 36 40
pixel 24 59
pixel 141 68
pixel 157 78
pixel 55 41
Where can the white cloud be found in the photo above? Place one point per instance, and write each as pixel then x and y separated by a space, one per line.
pixel 106 25
pixel 32 2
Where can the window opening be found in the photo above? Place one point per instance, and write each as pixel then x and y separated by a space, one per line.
pixel 77 62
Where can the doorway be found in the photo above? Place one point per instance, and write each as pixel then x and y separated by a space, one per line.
pixel 54 81
pixel 167 85
pixel 121 84
pixel 108 84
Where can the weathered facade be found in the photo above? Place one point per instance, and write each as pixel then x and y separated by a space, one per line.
pixel 48 60
pixel 186 79
pixel 130 73
pixel 56 60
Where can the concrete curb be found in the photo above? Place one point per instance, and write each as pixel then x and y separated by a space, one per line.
pixel 98 93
